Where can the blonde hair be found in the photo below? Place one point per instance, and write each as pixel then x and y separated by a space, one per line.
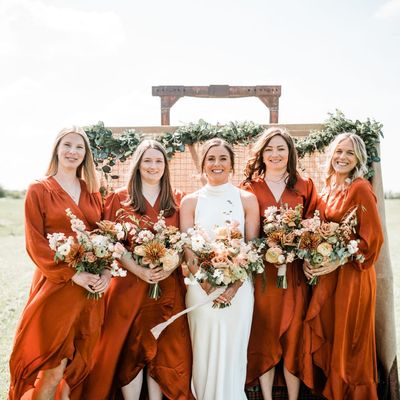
pixel 86 169
pixel 134 188
pixel 360 152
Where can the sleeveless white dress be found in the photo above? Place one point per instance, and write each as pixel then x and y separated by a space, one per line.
pixel 219 336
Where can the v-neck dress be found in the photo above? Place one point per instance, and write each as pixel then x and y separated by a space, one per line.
pixel 58 321
pixel 340 322
pixel 126 345
pixel 276 330
pixel 219 336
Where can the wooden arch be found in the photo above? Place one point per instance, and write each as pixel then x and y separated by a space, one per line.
pixel 169 95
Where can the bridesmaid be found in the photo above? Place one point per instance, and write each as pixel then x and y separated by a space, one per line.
pixel 340 322
pixel 276 331
pixel 127 350
pixel 59 325
pixel 219 336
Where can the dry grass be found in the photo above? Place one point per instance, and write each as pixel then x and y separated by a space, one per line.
pixel 16 271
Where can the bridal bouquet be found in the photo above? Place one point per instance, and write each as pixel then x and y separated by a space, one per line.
pixel 281 229
pixel 158 245
pixel 225 259
pixel 91 251
pixel 321 242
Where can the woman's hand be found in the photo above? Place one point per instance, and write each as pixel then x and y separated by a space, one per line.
pixel 149 275
pixel 86 280
pixel 207 287
pixel 228 294
pixel 103 283
pixel 160 276
pixel 308 270
pixel 326 268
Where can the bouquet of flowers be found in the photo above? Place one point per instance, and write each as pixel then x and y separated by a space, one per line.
pixel 322 242
pixel 90 251
pixel 157 246
pixel 226 259
pixel 281 228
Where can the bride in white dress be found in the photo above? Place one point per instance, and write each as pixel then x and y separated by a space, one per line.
pixel 219 335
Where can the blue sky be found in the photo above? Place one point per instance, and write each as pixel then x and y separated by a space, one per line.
pixel 65 62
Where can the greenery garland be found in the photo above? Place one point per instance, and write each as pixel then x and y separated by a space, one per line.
pixel 107 150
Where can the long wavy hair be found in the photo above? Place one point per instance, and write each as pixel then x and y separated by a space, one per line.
pixel 87 169
pixel 360 152
pixel 134 188
pixel 256 167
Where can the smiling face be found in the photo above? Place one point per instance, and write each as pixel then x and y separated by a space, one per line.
pixel 152 166
pixel 217 165
pixel 276 154
pixel 71 151
pixel 344 159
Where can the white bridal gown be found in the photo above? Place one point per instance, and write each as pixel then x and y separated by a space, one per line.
pixel 219 336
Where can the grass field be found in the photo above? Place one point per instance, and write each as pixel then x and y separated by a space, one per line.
pixel 16 271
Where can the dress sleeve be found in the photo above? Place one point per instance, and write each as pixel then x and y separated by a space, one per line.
pixel 369 227
pixel 37 244
pixel 111 205
pixel 311 201
pixel 246 185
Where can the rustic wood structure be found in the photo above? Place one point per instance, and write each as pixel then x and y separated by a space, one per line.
pixel 169 95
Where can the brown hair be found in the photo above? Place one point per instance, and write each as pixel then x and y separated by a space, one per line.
pixel 135 193
pixel 86 169
pixel 256 166
pixel 214 143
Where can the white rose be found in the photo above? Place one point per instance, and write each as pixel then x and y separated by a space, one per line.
pixel 170 260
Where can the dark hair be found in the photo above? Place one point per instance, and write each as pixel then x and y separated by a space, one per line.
pixel 135 194
pixel 214 143
pixel 256 166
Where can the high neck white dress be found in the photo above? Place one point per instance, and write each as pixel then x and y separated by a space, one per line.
pixel 219 336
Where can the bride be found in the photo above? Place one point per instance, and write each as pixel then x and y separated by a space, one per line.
pixel 219 335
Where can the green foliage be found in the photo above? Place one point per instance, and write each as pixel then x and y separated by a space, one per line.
pixel 2 191
pixel 107 150
pixel 233 133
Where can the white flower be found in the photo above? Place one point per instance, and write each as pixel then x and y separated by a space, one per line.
pixel 170 260
pixel 145 236
pixel 197 242
pixel 352 247
pixel 116 270
pixel 159 225
pixel 54 239
pixel 64 249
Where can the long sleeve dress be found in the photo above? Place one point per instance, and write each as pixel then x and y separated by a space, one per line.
pixel 127 345
pixel 278 316
pixel 340 322
pixel 58 321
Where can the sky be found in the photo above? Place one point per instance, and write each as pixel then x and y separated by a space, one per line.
pixel 65 62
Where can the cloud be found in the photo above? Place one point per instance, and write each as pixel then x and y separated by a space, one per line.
pixel 390 9
pixel 65 30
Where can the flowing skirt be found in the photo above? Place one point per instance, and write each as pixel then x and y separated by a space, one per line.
pixel 219 341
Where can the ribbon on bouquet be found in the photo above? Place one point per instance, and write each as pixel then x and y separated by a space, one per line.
pixel 157 330
pixel 281 277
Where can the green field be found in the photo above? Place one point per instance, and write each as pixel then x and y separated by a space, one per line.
pixel 16 271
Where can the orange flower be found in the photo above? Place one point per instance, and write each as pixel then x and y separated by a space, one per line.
pixel 309 241
pixel 75 255
pixel 107 227
pixel 289 217
pixel 154 250
pixel 274 238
